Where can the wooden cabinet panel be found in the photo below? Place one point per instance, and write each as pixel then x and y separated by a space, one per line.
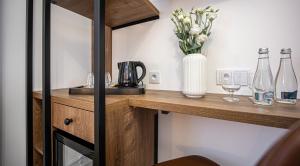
pixel 129 132
pixel 80 121
pixel 108 49
pixel 129 136
pixel 37 133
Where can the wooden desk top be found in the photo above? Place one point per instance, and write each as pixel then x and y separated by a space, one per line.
pixel 211 106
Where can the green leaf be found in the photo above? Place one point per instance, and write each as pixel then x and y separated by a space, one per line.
pixel 194 47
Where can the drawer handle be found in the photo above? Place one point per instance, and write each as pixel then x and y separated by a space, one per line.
pixel 67 121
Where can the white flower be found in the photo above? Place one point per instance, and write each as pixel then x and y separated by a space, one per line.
pixel 180 17
pixel 187 20
pixel 201 39
pixel 199 10
pixel 195 30
pixel 176 30
pixel 212 16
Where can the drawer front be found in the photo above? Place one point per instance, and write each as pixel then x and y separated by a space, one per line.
pixel 75 121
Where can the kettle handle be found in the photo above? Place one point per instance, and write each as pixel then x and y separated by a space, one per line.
pixel 141 64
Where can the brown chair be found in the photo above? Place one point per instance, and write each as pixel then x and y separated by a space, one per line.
pixel 189 161
pixel 286 152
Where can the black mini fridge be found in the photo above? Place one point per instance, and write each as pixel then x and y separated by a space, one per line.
pixel 72 151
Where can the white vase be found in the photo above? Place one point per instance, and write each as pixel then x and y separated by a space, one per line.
pixel 194 75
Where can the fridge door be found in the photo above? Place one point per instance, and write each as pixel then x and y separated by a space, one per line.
pixel 72 151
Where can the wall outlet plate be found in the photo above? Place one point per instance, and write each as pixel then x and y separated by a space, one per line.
pixel 154 77
pixel 240 76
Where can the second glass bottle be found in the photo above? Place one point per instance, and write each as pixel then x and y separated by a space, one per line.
pixel 286 86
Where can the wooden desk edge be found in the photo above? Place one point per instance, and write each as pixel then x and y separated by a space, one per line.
pixel 270 120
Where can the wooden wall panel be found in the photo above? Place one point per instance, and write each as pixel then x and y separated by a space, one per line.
pixel 129 136
pixel 108 49
pixel 37 133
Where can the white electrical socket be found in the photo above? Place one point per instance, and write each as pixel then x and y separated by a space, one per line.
pixel 240 76
pixel 154 77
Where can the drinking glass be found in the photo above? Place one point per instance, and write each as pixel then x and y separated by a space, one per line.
pixel 231 86
pixel 90 80
pixel 107 79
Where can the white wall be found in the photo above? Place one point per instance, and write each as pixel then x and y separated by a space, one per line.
pixel 241 28
pixel 12 78
pixel 70 58
pixel 70 47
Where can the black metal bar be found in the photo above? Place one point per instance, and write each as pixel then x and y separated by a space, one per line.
pixel 156 138
pixel 136 22
pixel 47 157
pixel 29 68
pixel 99 69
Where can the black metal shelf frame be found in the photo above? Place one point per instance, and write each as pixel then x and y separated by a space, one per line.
pixel 46 83
pixel 99 95
pixel 99 37
pixel 29 70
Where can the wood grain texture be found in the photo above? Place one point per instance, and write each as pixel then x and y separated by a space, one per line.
pixel 129 136
pixel 129 132
pixel 212 106
pixel 118 12
pixel 37 133
pixel 80 126
pixel 108 49
pixel 130 119
pixel 37 159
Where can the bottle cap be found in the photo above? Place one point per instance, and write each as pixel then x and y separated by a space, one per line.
pixel 263 50
pixel 286 51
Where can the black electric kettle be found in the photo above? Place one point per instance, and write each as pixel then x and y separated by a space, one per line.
pixel 128 76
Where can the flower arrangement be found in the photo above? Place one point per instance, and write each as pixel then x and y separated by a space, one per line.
pixel 193 29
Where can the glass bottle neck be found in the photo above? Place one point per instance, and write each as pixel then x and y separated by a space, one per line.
pixel 263 61
pixel 285 56
pixel 286 61
pixel 263 56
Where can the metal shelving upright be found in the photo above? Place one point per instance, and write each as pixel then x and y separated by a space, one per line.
pixel 99 52
pixel 99 68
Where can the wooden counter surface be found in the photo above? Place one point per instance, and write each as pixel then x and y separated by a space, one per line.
pixel 211 106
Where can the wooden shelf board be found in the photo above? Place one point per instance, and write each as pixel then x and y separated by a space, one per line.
pixel 211 106
pixel 118 12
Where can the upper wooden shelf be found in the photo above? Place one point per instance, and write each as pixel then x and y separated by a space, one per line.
pixel 118 12
pixel 211 106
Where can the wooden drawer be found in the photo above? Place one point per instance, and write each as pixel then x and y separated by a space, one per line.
pixel 82 121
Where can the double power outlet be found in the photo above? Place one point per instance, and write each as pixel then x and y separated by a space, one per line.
pixel 238 76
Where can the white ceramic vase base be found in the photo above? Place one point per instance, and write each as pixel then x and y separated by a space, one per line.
pixel 194 96
pixel 194 75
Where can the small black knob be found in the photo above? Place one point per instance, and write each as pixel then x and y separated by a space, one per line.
pixel 67 121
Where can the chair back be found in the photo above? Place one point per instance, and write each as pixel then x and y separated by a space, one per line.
pixel 286 152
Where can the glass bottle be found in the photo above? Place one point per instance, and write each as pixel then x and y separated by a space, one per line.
pixel 263 84
pixel 286 85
